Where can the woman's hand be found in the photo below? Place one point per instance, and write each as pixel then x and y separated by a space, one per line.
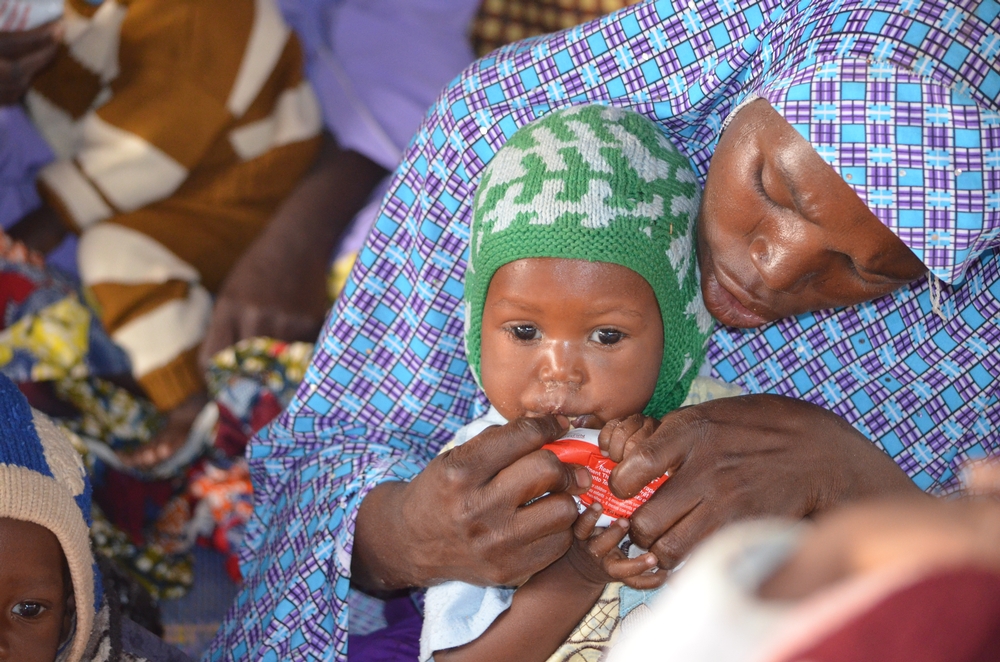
pixel 22 56
pixel 892 533
pixel 278 286
pixel 745 457
pixel 467 516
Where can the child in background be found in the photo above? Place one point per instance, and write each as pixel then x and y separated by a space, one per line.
pixel 52 606
pixel 582 301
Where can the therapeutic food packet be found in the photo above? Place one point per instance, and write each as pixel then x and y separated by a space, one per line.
pixel 579 446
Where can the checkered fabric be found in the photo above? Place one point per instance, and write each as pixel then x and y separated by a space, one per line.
pixel 922 155
pixel 389 383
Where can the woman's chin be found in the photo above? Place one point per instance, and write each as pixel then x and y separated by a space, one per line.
pixel 726 308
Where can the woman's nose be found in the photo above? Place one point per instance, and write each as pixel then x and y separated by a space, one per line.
pixel 561 364
pixel 786 261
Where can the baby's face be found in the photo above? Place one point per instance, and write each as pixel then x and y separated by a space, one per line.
pixel 582 339
pixel 33 598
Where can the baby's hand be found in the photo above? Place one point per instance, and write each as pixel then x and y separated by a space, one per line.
pixel 620 435
pixel 598 560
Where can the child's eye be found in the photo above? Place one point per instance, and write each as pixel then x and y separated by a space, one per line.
pixel 29 609
pixel 607 336
pixel 525 332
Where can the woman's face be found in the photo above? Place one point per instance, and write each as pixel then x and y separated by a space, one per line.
pixel 780 233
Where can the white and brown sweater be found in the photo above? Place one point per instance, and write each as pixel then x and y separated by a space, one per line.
pixel 179 126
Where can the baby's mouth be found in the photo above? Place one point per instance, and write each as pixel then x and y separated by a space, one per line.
pixel 592 421
pixel 586 421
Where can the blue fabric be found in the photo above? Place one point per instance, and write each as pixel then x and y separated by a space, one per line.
pixel 23 152
pixel 19 442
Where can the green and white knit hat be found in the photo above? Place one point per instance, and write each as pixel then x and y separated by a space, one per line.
pixel 605 185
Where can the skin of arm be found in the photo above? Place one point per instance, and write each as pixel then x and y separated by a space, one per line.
pixel 41 230
pixel 895 532
pixel 550 604
pixel 278 287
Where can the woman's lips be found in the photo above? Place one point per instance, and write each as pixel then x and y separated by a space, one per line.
pixel 725 307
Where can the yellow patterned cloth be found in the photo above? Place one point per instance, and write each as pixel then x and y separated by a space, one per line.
pixel 500 22
pixel 56 335
pixel 595 633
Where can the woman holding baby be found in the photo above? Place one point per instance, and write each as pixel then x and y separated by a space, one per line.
pixel 849 157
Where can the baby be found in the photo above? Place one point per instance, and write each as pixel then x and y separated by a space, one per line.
pixel 52 606
pixel 582 301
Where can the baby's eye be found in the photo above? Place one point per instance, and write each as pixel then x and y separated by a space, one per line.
pixel 525 332
pixel 607 336
pixel 29 609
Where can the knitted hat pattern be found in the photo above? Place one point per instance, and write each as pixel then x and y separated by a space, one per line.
pixel 43 480
pixel 599 184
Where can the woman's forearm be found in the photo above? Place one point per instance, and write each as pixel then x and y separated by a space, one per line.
pixel 544 612
pixel 378 561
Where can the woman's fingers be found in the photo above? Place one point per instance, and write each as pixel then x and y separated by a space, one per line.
pixel 662 452
pixel 524 560
pixel 14 45
pixel 509 458
pixel 498 447
pixel 747 457
pixel 481 527
pixel 553 513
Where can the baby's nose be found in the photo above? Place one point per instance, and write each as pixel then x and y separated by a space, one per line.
pixel 561 366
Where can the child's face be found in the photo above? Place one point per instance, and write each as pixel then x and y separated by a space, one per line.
pixel 582 339
pixel 33 592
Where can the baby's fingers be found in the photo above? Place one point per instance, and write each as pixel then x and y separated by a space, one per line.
pixel 607 540
pixel 585 523
pixel 634 572
pixel 647 581
pixel 619 435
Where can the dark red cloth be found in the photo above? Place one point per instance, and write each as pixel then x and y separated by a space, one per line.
pixel 950 616
pixel 130 502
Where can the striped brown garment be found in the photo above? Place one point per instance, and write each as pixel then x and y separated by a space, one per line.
pixel 179 126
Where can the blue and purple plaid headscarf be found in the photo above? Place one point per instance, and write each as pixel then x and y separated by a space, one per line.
pixel 922 153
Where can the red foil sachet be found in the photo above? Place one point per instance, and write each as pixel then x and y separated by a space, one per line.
pixel 580 446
